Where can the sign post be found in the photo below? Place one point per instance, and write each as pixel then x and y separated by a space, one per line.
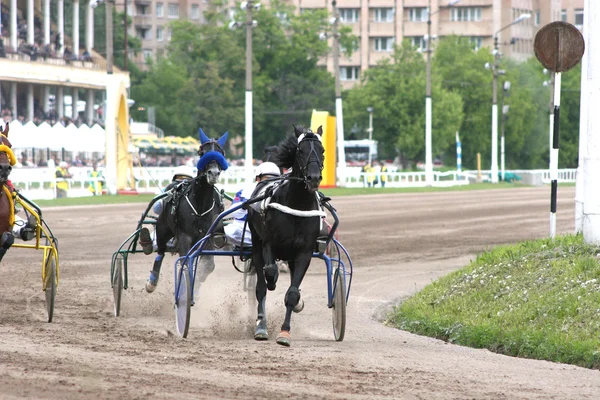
pixel 558 46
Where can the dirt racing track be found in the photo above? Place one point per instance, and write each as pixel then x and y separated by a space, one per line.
pixel 399 243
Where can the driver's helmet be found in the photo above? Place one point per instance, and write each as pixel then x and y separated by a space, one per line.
pixel 268 168
pixel 183 172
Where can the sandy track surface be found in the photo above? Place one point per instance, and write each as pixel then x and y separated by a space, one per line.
pixel 399 243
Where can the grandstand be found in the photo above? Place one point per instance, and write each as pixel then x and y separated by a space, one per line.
pixel 47 76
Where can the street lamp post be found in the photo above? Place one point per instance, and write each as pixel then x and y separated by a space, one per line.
pixel 505 108
pixel 370 111
pixel 339 116
pixel 495 71
pixel 249 6
pixel 428 106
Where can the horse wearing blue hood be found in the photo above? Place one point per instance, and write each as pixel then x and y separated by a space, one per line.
pixel 191 209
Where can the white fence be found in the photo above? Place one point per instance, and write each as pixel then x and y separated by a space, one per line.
pixel 39 183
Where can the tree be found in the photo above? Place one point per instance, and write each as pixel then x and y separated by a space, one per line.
pixel 396 90
pixel 462 72
pixel 288 82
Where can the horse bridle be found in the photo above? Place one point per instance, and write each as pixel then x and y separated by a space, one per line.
pixel 304 168
pixel 215 147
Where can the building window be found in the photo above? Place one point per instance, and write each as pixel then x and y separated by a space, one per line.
pixel 159 10
pixel 147 54
pixel 141 9
pixel 579 17
pixel 160 33
pixel 350 15
pixel 383 14
pixel 195 11
pixel 563 15
pixel 173 10
pixel 537 17
pixel 418 42
pixel 349 73
pixel 462 14
pixel 144 33
pixel 476 41
pixel 417 14
pixel 384 44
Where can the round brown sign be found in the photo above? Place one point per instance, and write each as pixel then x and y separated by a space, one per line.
pixel 559 46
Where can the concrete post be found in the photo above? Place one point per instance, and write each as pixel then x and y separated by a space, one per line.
pixel 591 160
pixel 13 24
pixel 582 128
pixel 61 27
pixel 76 28
pixel 30 101
pixel 46 21
pixel 13 99
pixel 89 29
pixel 60 102
pixel 74 101
pixel 30 25
pixel 89 107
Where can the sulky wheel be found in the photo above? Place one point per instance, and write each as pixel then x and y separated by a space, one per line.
pixel 339 305
pixel 50 283
pixel 183 301
pixel 117 284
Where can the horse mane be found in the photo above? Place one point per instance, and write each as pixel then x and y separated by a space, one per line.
pixel 286 150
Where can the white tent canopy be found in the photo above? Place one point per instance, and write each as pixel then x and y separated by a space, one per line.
pixel 57 137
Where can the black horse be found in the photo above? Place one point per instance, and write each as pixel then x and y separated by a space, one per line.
pixel 287 229
pixel 191 209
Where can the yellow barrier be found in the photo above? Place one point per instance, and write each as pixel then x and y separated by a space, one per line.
pixel 322 118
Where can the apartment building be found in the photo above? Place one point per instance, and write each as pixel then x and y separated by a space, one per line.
pixel 379 24
pixel 150 19
pixel 572 12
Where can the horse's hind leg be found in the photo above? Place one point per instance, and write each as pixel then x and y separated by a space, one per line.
pixel 7 240
pixel 271 269
pixel 261 332
pixel 163 234
pixel 207 266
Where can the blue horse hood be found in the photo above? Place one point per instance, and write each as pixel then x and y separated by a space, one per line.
pixel 212 156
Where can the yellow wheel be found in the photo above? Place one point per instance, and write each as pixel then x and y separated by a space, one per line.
pixel 50 284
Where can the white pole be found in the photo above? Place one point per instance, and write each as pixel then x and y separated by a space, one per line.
pixel 248 111
pixel 428 110
pixel 494 167
pixel 339 116
pixel 46 21
pixel 591 161
pixel 582 128
pixel 76 28
pixel 61 27
pixel 30 101
pixel 13 25
pixel 370 136
pixel 110 172
pixel 30 25
pixel 554 155
pixel 89 29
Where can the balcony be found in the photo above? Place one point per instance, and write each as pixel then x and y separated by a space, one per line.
pixel 415 28
pixel 56 71
pixel 466 28
pixel 381 28
pixel 143 20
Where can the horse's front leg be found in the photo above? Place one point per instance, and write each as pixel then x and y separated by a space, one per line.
pixel 298 269
pixel 6 241
pixel 261 332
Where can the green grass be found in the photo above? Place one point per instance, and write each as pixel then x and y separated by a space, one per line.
pixel 538 299
pixel 79 201
pixel 379 190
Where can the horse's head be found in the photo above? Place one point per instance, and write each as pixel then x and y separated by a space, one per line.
pixel 7 157
pixel 212 157
pixel 309 158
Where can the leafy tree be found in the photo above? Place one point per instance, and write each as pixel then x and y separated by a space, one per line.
pixel 462 72
pixel 210 59
pixel 396 90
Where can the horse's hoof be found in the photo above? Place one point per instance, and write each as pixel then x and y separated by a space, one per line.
pixel 151 282
pixel 284 338
pixel 146 241
pixel 299 307
pixel 150 286
pixel 261 330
